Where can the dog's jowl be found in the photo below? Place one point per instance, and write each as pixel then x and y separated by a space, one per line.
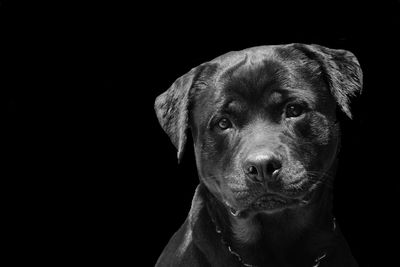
pixel 266 139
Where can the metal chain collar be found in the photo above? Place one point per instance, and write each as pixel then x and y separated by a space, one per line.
pixel 317 261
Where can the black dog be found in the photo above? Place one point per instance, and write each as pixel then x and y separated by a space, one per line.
pixel 263 121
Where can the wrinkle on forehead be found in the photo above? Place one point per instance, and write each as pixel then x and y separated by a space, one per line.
pixel 252 55
pixel 254 82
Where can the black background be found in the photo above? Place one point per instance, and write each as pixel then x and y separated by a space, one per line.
pixel 89 174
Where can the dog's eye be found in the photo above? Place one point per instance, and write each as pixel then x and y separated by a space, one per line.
pixel 224 124
pixel 294 110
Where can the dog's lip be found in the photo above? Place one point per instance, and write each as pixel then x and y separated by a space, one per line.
pixel 266 202
pixel 234 211
pixel 278 202
pixel 271 203
pixel 277 197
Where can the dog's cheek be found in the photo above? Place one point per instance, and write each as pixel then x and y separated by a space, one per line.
pixel 315 128
pixel 209 159
pixel 213 147
pixel 310 138
pixel 319 136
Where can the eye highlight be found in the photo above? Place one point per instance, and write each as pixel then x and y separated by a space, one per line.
pixel 224 124
pixel 294 110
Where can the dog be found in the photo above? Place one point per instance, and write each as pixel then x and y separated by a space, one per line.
pixel 266 137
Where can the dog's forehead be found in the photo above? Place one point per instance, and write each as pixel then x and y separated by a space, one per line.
pixel 256 82
pixel 255 71
pixel 259 75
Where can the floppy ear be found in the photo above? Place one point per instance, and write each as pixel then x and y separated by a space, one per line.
pixel 342 72
pixel 172 110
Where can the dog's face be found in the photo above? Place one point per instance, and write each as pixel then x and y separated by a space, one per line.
pixel 263 122
pixel 265 134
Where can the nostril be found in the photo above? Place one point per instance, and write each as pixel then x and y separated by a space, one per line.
pixel 261 167
pixel 252 173
pixel 252 170
pixel 273 166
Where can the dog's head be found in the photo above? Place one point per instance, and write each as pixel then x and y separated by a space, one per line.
pixel 263 121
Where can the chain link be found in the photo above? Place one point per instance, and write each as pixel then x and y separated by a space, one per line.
pixel 219 232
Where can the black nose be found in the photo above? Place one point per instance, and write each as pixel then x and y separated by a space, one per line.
pixel 262 167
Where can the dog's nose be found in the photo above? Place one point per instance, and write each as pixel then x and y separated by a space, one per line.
pixel 262 167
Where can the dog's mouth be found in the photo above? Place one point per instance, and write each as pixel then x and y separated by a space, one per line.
pixel 272 203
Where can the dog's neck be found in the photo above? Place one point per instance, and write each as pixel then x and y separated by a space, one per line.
pixel 278 237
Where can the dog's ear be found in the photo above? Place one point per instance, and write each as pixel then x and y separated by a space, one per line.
pixel 341 70
pixel 172 110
